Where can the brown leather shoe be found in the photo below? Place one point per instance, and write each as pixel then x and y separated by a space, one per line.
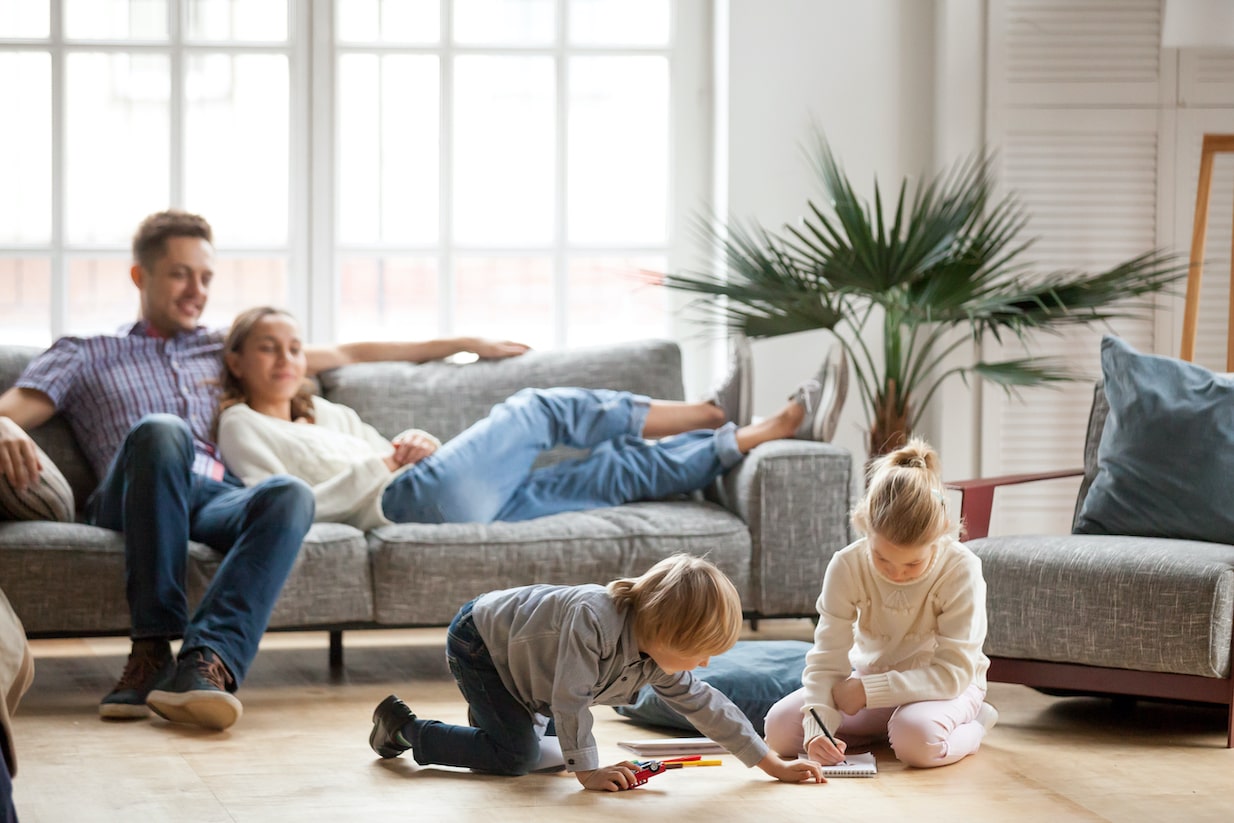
pixel 149 662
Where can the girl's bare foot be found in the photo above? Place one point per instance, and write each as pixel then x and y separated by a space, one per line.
pixel 781 425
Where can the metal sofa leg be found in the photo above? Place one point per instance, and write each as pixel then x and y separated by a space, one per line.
pixel 336 651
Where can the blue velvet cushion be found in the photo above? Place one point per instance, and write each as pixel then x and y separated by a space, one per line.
pixel 754 674
pixel 1165 464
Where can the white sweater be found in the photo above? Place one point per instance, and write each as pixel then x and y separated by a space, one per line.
pixel 912 641
pixel 340 456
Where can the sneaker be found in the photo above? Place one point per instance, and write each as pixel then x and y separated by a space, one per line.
pixel 987 716
pixel 390 716
pixel 197 692
pixel 735 394
pixel 823 398
pixel 149 662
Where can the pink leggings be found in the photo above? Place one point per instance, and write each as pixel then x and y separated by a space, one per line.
pixel 925 734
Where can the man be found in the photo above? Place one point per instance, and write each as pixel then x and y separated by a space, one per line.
pixel 140 404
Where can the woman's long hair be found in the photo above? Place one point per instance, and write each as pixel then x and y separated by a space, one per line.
pixel 231 391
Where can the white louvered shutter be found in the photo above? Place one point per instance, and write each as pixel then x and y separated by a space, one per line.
pixel 1084 112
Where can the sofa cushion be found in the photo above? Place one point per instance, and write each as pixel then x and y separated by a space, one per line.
pixel 64 577
pixel 1141 603
pixel 49 497
pixel 754 674
pixel 1166 458
pixel 444 398
pixel 330 583
pixel 423 573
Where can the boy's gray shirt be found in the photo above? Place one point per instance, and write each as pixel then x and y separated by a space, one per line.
pixel 561 649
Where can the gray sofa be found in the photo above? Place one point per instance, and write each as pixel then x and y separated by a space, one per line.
pixel 1104 614
pixel 783 513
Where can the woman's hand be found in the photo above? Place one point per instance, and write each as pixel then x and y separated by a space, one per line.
pixel 496 349
pixel 821 750
pixel 409 448
pixel 608 778
pixel 791 771
pixel 849 695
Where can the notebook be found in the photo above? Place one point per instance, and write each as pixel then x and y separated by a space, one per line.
pixel 855 765
pixel 669 746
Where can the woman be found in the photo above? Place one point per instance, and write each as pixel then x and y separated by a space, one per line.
pixel 269 424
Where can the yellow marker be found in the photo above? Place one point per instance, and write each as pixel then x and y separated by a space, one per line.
pixel 694 763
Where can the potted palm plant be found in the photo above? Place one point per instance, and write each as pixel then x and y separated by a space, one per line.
pixel 949 258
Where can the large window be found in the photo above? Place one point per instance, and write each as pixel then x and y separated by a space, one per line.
pixel 385 168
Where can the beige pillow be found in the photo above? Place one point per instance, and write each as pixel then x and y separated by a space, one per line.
pixel 48 498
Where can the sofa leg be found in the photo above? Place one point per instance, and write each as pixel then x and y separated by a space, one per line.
pixel 336 651
pixel 753 624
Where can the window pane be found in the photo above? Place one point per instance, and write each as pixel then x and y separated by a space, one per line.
pixel 116 146
pixel 389 21
pixel 620 22
pixel 388 148
pixel 243 282
pixel 509 298
pixel 611 300
pixel 503 151
pixel 101 297
pixel 237 146
pixel 25 301
pixel 388 298
pixel 507 22
pixel 262 20
pixel 25 186
pixel 115 19
pixel 618 176
pixel 25 18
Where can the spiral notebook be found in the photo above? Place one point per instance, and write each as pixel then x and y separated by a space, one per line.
pixel 856 765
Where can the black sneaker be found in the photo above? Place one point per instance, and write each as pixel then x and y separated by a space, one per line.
pixel 390 716
pixel 197 692
pixel 149 662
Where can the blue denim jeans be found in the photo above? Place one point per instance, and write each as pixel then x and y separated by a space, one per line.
pixel 485 473
pixel 152 495
pixel 504 737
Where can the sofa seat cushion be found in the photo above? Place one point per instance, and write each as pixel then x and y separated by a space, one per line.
pixel 64 577
pixel 1140 603
pixel 423 573
pixel 330 583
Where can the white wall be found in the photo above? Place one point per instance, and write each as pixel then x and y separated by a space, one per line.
pixel 865 71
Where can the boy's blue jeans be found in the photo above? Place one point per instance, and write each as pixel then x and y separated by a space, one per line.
pixel 504 737
pixel 152 495
pixel 485 473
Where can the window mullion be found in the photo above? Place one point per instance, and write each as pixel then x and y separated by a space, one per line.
pixel 561 292
pixel 58 264
pixel 176 110
pixel 445 172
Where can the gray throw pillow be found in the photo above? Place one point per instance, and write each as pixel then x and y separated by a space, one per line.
pixel 48 498
pixel 1165 464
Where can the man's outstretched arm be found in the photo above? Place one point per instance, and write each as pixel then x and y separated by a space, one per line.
pixel 20 411
pixel 321 358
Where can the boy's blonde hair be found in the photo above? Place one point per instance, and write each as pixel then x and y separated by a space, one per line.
pixel 904 503
pixel 684 603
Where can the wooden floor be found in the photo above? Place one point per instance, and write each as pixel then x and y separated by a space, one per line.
pixel 301 753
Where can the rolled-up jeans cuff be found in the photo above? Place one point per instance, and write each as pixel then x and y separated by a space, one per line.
pixel 726 446
pixel 640 407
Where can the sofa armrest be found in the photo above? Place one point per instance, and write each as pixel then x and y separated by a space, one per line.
pixel 977 497
pixel 795 497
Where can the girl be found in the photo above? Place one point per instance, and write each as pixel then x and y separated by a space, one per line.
pixel 897 651
pixel 485 473
pixel 523 655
